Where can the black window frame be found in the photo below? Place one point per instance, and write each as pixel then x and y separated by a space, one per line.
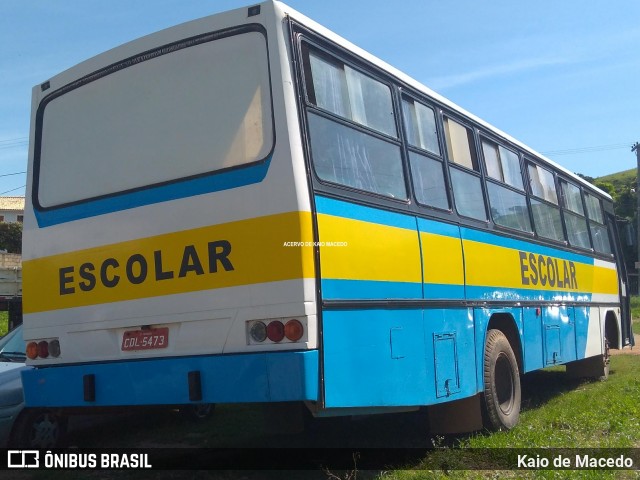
pixel 401 90
pixel 440 158
pixel 532 196
pixel 567 211
pixel 491 180
pixel 304 43
pixel 604 225
pixel 472 130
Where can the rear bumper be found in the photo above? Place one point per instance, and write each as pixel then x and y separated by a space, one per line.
pixel 261 377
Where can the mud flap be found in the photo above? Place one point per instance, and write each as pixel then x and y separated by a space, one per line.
pixel 459 416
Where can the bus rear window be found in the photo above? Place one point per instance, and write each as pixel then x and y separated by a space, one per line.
pixel 176 112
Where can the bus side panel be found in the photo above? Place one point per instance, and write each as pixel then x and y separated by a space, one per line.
pixel 367 253
pixel 532 339
pixel 395 355
pixel 408 357
pixel 559 335
pixel 442 260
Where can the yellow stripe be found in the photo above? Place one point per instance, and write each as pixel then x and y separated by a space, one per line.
pixel 372 251
pixel 258 254
pixel 492 265
pixel 392 254
pixel 443 262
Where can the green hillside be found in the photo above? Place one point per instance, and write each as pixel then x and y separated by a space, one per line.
pixel 628 177
pixel 622 188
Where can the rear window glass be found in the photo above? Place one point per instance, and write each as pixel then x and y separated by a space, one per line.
pixel 192 111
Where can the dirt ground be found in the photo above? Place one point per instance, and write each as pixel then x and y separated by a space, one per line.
pixel 629 351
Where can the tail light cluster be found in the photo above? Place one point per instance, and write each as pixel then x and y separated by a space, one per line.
pixel 275 331
pixel 43 349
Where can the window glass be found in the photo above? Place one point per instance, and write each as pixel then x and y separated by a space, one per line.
pixel 508 208
pixel 467 191
pixel 502 164
pixel 460 144
pixel 577 230
pixel 156 120
pixel 572 197
pixel 547 221
pixel 346 156
pixel 350 94
pixel 600 236
pixel 491 160
pixel 330 86
pixel 542 184
pixel 511 168
pixel 594 209
pixel 599 232
pixel 421 126
pixel 428 181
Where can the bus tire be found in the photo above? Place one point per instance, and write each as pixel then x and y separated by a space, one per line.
pixel 38 428
pixel 501 383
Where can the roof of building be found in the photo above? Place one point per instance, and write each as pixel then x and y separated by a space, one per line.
pixel 12 203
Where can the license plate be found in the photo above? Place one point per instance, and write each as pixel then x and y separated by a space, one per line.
pixel 145 339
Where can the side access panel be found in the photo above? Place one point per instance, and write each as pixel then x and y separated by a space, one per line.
pixel 559 335
pixel 404 357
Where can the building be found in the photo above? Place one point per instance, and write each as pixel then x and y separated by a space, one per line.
pixel 11 209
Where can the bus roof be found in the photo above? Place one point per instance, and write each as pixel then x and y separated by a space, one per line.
pixel 334 37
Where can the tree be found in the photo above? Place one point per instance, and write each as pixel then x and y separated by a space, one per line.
pixel 11 237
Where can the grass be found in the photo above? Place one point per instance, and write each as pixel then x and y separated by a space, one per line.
pixel 559 414
pixel 635 314
pixel 4 323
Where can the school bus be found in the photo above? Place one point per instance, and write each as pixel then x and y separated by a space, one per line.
pixel 249 208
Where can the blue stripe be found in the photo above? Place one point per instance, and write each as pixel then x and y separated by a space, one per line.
pixel 338 208
pixel 238 177
pixel 491 239
pixel 438 228
pixel 434 291
pixel 333 289
pixel 505 294
pixel 258 377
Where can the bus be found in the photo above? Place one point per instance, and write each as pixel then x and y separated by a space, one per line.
pixel 248 208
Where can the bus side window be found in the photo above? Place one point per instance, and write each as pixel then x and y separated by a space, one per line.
pixel 599 233
pixel 544 203
pixel 467 186
pixel 507 201
pixel 427 168
pixel 352 127
pixel 574 215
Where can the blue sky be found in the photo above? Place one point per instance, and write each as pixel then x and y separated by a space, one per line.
pixel 560 76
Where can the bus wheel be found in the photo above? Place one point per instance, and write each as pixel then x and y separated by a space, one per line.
pixel 501 383
pixel 37 428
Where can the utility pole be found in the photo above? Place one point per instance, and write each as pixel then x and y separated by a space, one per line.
pixel 636 148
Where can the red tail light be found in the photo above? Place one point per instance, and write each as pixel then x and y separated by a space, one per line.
pixel 43 349
pixel 275 331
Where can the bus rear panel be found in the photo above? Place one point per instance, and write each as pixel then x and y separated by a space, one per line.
pixel 168 251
